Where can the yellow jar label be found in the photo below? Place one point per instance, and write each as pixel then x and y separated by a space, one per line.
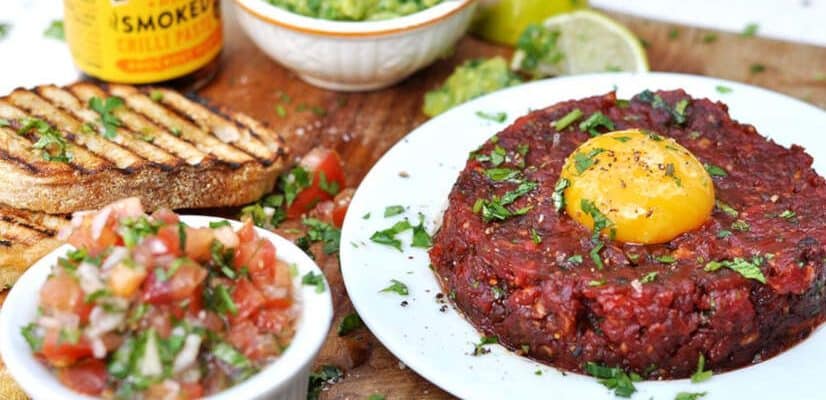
pixel 142 41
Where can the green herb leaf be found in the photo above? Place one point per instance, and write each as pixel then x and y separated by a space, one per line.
pixel 390 211
pixel 535 236
pixel 714 170
pixel 55 30
pixel 584 161
pixel 749 269
pixel 723 234
pixel 594 253
pixel 614 378
pixel 673 33
pixel 601 222
pixel 740 225
pixel 596 120
pixel 501 174
pixel 723 89
pixel 32 336
pixel 540 49
pixel 726 209
pixel 649 277
pixel 320 231
pixel 349 323
pixel 496 209
pixel 105 109
pixel 558 196
pixel 330 187
pixel 689 396
pixel 294 183
pixel 567 120
pixel 396 287
pixel 53 145
pixel 756 68
pixel 234 358
pixel 280 111
pixel 787 214
pixel 4 30
pixel 701 375
pixel 709 38
pixel 313 279
pixel 666 259
pixel 375 396
pixel 327 374
pixel 677 113
pixel 388 236
pixel 479 348
pixel 597 283
pixel 575 259
pixel 750 30
pixel 496 117
pixel 421 238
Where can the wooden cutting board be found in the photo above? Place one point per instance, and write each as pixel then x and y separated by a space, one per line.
pixel 363 126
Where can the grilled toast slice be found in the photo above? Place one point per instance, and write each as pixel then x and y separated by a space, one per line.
pixel 25 237
pixel 58 154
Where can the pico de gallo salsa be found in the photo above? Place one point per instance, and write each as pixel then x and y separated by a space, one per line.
pixel 146 307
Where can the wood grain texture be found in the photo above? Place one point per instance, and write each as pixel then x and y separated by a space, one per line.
pixel 362 126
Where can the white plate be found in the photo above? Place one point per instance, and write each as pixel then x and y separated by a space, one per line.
pixel 438 344
pixel 283 379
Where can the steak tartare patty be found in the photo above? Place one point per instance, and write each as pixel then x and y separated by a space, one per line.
pixel 531 276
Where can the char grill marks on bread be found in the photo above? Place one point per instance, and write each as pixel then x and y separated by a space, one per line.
pixel 25 237
pixel 167 149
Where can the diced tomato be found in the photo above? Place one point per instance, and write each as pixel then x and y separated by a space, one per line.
pixel 261 264
pixel 61 353
pixel 247 299
pixel 191 390
pixel 62 292
pixel 182 285
pixel 317 161
pixel 244 336
pixel 273 320
pixel 198 242
pixel 341 203
pixel 166 215
pixel 247 232
pixel 87 377
pixel 171 238
pixel 82 238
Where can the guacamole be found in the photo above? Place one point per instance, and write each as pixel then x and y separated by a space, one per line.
pixel 471 79
pixel 354 10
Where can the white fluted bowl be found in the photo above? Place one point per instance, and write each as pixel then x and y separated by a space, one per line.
pixel 286 378
pixel 354 56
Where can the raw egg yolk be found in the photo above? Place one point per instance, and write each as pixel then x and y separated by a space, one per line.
pixel 636 186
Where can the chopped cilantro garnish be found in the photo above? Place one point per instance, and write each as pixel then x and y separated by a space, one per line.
pixel 558 196
pixel 594 253
pixel 388 236
pixel 479 348
pixel 133 230
pixel 677 113
pixel 33 338
pixel 680 108
pixel 421 238
pixel 294 182
pixel 722 234
pixel 320 231
pixel 492 116
pixel 501 174
pixel 596 120
pixel 723 89
pixel 496 209
pixel 218 224
pixel 396 287
pixel 55 30
pixel 596 283
pixel 787 214
pixel 714 170
pixel 689 396
pixel 535 236
pixel 701 375
pixel 327 374
pixel 349 323
pixel 313 279
pixel 4 30
pixel 614 378
pixel 106 108
pixel 223 300
pixel 709 38
pixel 601 222
pixel 330 187
pixel 673 33
pixel 375 396
pixel 234 358
pixel 280 110
pixel 53 146
pixel 727 209
pixel 567 120
pixel 749 269
pixel 622 139
pixel 391 211
pixel 583 161
pixel 757 68
pixel 740 225
pixel 575 259
pixel 750 30
pixel 666 259
pixel 649 277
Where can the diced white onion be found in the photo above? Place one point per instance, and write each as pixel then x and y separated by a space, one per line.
pixel 99 222
pixel 186 357
pixel 102 321
pixel 227 237
pixel 89 278
pixel 60 320
pixel 157 247
pixel 269 211
pixel 98 348
pixel 115 257
pixel 172 389
pixel 150 364
pixel 637 285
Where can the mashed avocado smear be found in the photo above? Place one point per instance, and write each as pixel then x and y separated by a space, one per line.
pixel 354 10
pixel 470 80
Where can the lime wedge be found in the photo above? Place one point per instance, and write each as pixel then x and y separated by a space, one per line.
pixel 589 42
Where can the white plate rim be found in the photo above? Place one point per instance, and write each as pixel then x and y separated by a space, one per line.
pixel 354 232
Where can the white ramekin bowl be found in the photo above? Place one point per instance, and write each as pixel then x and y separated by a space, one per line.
pixel 285 379
pixel 353 56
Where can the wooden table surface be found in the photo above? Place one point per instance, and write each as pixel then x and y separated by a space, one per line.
pixel 362 126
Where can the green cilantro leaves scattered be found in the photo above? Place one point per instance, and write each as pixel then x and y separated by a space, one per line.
pixel 749 269
pixel 723 89
pixel 567 120
pixel 539 45
pixel 558 196
pixel 388 236
pixel 267 213
pixel 614 378
pixel 492 116
pixel 601 222
pixel 55 30
pixel 320 231
pixel 397 287
pixel 701 375
pixel 390 211
pixel 787 215
pixel 330 187
pixel 715 170
pixel 496 208
pixel 677 113
pixel 326 375
pixel 32 337
pixel 750 30
pixel 726 209
pixel 349 323
pixel 583 161
pixel 689 396
pixel 294 182
pixel 106 108
pixel 479 348
pixel 596 120
pixel 649 277
pixel 313 279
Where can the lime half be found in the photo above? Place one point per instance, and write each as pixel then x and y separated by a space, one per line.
pixel 589 42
